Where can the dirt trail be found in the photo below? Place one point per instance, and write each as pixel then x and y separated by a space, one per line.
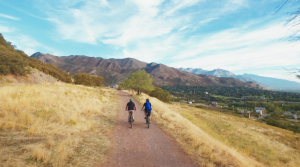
pixel 143 147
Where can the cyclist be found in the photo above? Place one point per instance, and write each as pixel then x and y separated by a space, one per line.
pixel 130 107
pixel 148 109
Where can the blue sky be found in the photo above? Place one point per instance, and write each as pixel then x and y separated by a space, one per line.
pixel 242 36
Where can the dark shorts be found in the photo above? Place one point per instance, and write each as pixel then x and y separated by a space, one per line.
pixel 148 112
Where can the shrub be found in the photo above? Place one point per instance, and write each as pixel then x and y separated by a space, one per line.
pixel 161 94
pixel 11 61
pixel 87 79
pixel 283 125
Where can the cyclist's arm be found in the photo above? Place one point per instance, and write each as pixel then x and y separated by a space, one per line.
pixel 143 107
pixel 126 108
pixel 134 108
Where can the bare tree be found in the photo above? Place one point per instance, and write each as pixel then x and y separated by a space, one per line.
pixel 294 23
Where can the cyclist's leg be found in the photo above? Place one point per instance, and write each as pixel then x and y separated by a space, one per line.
pixel 149 114
pixel 132 114
pixel 129 115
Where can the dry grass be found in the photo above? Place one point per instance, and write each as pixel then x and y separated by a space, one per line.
pixel 55 125
pixel 223 140
pixel 267 144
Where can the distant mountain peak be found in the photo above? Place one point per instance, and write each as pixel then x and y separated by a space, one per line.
pixel 267 82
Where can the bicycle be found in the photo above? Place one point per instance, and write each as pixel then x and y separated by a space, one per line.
pixel 147 120
pixel 131 119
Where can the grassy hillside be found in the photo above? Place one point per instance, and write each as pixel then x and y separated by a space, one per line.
pixel 16 62
pixel 35 77
pixel 55 125
pixel 223 140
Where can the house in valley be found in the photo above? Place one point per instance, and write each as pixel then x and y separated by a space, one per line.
pixel 260 110
pixel 214 103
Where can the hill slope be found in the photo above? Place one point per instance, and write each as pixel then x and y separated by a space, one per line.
pixel 35 77
pixel 220 139
pixel 16 62
pixel 115 70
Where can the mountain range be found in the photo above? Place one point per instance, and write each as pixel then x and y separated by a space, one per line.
pixel 266 82
pixel 117 70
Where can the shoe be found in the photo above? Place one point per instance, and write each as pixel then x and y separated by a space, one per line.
pixel 133 120
pixel 145 118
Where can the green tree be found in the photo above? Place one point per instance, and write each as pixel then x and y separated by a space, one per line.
pixel 161 94
pixel 139 81
pixel 277 112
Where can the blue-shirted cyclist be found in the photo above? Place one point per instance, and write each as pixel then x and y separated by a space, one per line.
pixel 148 108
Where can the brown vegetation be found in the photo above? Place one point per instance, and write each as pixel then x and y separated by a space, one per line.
pixel 87 80
pixel 55 125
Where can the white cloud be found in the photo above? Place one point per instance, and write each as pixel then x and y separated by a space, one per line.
pixel 275 54
pixel 112 23
pixel 232 39
pixel 9 17
pixel 5 29
pixel 233 5
pixel 148 7
pixel 124 23
pixel 151 51
pixel 141 27
pixel 28 44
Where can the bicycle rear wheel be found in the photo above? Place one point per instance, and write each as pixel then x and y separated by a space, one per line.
pixel 131 120
pixel 147 120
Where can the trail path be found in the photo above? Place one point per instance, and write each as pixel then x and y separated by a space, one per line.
pixel 143 147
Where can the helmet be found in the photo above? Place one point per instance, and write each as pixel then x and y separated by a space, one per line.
pixel 131 99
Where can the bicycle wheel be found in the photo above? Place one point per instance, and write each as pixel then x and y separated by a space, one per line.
pixel 148 122
pixel 131 120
